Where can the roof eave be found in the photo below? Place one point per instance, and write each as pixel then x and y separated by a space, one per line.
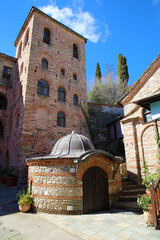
pixel 121 100
pixel 44 14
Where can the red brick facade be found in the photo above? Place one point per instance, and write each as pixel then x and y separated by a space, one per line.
pixel 33 100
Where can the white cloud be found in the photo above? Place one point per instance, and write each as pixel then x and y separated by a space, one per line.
pixel 82 22
pixel 155 2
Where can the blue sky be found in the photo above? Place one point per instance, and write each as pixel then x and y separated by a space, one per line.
pixel 130 27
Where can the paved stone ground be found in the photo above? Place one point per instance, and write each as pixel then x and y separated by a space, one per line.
pixel 110 225
pixel 6 233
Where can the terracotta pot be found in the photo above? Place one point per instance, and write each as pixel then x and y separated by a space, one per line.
pixel 25 208
pixel 148 217
pixel 148 192
pixel 10 181
pixel 2 179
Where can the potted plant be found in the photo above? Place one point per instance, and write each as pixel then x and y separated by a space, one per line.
pixel 149 179
pixel 25 200
pixel 10 177
pixel 2 179
pixel 144 201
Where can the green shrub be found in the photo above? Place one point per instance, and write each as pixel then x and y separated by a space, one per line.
pixel 24 198
pixel 144 201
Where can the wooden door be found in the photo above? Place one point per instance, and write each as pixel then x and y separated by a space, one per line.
pixel 95 190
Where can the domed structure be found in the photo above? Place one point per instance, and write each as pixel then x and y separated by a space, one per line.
pixel 75 178
pixel 72 145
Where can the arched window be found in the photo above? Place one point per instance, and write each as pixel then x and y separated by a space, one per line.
pixel 3 103
pixel 26 38
pixel 17 120
pixel 61 94
pixel 46 36
pixel 44 63
pixel 43 88
pixel 147 115
pixel 75 50
pixel 19 50
pixel 61 119
pixel 75 99
pixel 1 129
pixel 74 77
pixel 7 72
pixel 62 72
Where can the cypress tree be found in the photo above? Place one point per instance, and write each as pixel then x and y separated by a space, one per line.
pixel 98 75
pixel 122 72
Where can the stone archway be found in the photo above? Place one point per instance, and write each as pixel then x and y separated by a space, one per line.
pixel 95 190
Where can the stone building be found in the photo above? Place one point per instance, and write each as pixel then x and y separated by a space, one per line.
pixel 74 178
pixel 140 122
pixel 41 89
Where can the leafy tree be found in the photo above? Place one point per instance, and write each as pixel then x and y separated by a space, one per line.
pixel 106 91
pixel 122 73
pixel 98 75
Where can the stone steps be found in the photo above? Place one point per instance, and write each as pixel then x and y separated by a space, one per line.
pixel 129 195
pixel 135 191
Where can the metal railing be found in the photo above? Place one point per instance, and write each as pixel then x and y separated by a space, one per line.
pixel 155 202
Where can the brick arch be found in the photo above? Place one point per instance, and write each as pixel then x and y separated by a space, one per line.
pixel 141 138
pixel 95 161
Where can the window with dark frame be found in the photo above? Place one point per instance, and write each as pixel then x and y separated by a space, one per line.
pixel 74 77
pixel 46 36
pixel 43 88
pixel 147 115
pixel 75 51
pixel 75 99
pixel 1 129
pixel 62 72
pixel 7 72
pixel 3 103
pixel 61 94
pixel 44 63
pixel 61 119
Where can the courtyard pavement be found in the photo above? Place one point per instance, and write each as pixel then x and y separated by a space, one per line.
pixel 114 224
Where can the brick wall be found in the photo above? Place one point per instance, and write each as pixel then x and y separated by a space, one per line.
pixel 139 136
pixel 57 184
pixel 37 130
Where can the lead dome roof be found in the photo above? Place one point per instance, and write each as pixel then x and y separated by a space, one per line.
pixel 72 145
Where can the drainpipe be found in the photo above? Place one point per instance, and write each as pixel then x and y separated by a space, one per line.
pixel 136 153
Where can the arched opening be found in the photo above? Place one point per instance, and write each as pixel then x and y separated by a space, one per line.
pixel 3 103
pixel 43 88
pixel 44 63
pixel 61 94
pixel 75 99
pixel 46 36
pixel 75 51
pixel 61 119
pixel 95 190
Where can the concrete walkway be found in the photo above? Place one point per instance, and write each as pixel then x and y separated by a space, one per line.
pixel 113 224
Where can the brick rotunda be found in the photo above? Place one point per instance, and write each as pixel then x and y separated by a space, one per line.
pixel 75 178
